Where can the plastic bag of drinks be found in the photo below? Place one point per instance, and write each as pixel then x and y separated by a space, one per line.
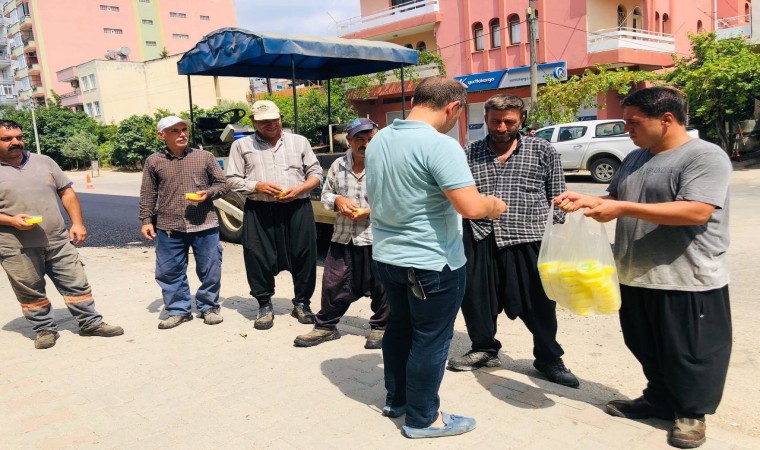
pixel 577 267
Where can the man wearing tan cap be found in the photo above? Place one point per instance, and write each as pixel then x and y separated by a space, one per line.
pixel 276 171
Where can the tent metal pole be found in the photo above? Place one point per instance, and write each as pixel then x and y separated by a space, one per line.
pixel 403 98
pixel 192 117
pixel 329 103
pixel 295 97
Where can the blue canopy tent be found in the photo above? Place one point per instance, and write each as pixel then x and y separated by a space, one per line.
pixel 242 53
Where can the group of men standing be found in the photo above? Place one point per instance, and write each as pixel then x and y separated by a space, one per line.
pixel 424 229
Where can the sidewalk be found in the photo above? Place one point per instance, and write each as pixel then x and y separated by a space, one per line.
pixel 230 386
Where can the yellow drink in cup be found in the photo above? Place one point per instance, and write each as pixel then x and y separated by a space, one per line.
pixel 192 196
pixel 33 220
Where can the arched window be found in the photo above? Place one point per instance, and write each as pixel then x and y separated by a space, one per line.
pixel 409 46
pixel 657 22
pixel 514 29
pixel 699 26
pixel 477 34
pixel 746 12
pixel 665 24
pixel 637 19
pixel 621 16
pixel 495 33
pixel 421 47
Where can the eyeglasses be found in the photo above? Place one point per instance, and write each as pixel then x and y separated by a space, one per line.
pixel 415 285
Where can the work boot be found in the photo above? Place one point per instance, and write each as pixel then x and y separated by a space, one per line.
pixel 687 433
pixel 173 321
pixel 638 408
pixel 264 318
pixel 45 339
pixel 102 329
pixel 556 372
pixel 375 339
pixel 473 360
pixel 212 317
pixel 302 312
pixel 316 337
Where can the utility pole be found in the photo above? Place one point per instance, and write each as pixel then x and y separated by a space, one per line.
pixel 34 127
pixel 530 13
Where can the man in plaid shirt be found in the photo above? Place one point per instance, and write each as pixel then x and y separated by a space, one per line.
pixel 178 186
pixel 348 264
pixel 502 254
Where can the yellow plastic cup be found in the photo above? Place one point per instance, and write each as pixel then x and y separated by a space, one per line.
pixel 34 219
pixel 281 194
pixel 192 196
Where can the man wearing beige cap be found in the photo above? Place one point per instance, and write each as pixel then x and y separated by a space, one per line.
pixel 178 186
pixel 276 171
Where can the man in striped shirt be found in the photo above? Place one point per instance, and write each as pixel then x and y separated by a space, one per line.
pixel 276 171
pixel 348 265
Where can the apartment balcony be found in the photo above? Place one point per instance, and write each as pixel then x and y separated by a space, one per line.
pixel 733 27
pixel 30 45
pixel 21 72
pixel 13 29
pixel 8 99
pixel 630 47
pixel 411 18
pixel 25 22
pixel 34 69
pixel 67 74
pixel 71 99
pixel 5 60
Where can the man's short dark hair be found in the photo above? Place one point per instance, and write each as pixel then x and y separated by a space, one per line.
pixel 503 103
pixel 437 92
pixel 653 102
pixel 10 124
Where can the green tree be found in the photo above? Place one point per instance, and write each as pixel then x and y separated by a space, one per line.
pixel 721 81
pixel 559 101
pixel 135 140
pixel 80 146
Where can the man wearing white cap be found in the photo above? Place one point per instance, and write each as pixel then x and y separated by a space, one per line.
pixel 276 171
pixel 178 186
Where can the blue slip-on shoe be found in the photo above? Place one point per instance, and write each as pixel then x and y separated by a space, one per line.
pixel 394 411
pixel 453 425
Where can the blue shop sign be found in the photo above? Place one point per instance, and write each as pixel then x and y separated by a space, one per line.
pixel 513 77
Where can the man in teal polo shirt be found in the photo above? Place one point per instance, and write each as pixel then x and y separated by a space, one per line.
pixel 418 184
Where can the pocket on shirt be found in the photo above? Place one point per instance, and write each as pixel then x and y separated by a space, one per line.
pixel 201 183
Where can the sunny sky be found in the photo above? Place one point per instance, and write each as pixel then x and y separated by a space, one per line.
pixel 309 17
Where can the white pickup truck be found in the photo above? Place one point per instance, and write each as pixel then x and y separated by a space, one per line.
pixel 594 145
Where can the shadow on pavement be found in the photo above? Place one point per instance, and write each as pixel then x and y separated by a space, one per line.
pixel 63 319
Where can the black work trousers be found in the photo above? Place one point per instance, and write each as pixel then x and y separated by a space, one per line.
pixel 277 237
pixel 507 279
pixel 683 342
pixel 348 277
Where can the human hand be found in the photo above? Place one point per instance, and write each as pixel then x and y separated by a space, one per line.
pixel 262 187
pixel 77 233
pixel 360 214
pixel 200 197
pixel 605 210
pixel 497 209
pixel 344 206
pixel 570 201
pixel 19 222
pixel 148 232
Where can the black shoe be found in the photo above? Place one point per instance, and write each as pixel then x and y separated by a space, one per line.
pixel 556 372
pixel 638 408
pixel 303 313
pixel 264 318
pixel 473 360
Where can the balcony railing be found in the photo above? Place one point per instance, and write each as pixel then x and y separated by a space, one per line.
pixel 71 98
pixel 630 38
pixel 387 16
pixel 67 74
pixel 731 27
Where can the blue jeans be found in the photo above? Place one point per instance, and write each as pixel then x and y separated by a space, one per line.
pixel 418 335
pixel 171 269
pixel 26 269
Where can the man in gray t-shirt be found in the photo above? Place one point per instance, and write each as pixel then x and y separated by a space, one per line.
pixel 34 240
pixel 670 199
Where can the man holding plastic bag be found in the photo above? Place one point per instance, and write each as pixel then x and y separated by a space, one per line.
pixel 502 254
pixel 670 199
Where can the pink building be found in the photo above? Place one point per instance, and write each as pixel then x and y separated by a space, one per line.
pixel 48 36
pixel 485 42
